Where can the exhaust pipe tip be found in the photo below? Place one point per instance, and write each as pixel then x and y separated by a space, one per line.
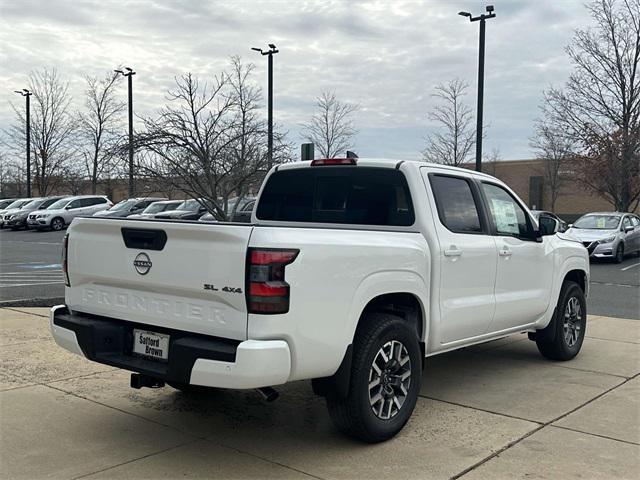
pixel 268 393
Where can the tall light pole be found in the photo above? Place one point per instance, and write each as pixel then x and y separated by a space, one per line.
pixel 26 94
pixel 271 52
pixel 129 74
pixel 482 19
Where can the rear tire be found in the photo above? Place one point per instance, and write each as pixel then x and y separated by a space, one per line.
pixel 57 224
pixel 563 337
pixel 385 380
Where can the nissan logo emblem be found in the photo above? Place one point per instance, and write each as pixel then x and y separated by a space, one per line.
pixel 142 263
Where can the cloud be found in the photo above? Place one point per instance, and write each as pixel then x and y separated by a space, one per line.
pixel 386 56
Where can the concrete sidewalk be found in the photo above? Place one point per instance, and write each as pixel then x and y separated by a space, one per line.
pixel 497 410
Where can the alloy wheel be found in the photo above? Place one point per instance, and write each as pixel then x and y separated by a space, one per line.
pixel 572 323
pixel 389 380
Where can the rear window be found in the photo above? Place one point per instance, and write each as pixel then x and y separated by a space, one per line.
pixel 340 194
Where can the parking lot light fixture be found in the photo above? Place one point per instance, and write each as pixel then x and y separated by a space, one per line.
pixel 271 52
pixel 26 94
pixel 129 73
pixel 481 18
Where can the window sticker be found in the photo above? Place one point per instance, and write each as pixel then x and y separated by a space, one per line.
pixel 504 214
pixel 601 222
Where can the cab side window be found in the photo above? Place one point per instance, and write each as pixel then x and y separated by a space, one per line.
pixel 457 208
pixel 508 216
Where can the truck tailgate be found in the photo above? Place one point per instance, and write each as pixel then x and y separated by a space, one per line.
pixel 194 281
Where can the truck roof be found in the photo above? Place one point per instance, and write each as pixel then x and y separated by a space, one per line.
pixel 387 163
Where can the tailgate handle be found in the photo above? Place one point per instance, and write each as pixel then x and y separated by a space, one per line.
pixel 144 239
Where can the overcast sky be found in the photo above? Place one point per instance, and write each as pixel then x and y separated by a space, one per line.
pixel 386 56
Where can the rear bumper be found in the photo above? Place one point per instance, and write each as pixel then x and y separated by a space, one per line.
pixel 194 359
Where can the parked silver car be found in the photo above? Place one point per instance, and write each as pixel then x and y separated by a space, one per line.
pixel 128 207
pixel 12 208
pixel 608 234
pixel 62 212
pixel 157 207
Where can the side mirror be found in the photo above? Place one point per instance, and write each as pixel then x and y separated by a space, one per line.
pixel 68 207
pixel 628 228
pixel 569 226
pixel 548 226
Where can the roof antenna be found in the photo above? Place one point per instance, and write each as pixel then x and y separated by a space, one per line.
pixel 351 154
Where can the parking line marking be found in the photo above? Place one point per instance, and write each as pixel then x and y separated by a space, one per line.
pixel 31 274
pixel 28 279
pixel 23 263
pixel 630 266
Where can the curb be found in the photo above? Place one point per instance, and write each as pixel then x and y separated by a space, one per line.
pixel 33 302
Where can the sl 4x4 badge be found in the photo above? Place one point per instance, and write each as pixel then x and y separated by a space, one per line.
pixel 208 286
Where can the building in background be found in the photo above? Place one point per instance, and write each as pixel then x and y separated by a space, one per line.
pixel 527 178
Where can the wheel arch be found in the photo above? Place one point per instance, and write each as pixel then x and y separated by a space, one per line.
pixel 578 276
pixel 409 305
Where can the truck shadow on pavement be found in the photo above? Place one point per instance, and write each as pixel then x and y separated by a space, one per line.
pixel 474 403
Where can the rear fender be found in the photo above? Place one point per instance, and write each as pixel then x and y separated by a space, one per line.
pixel 387 282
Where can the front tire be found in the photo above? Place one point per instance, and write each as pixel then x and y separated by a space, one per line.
pixel 619 254
pixel 57 224
pixel 563 337
pixel 385 380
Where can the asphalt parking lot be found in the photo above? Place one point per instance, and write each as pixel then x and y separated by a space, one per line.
pixel 30 269
pixel 497 410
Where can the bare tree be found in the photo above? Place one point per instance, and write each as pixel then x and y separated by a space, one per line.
pixel 74 178
pixel 12 176
pixel 185 143
pixel 99 127
pixel 454 139
pixel 600 103
pixel 555 148
pixel 52 126
pixel 331 128
pixel 246 159
pixel 209 142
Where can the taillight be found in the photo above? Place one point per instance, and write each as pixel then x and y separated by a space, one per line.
pixel 334 161
pixel 65 257
pixel 267 292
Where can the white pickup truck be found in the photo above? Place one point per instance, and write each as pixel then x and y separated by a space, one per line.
pixel 350 274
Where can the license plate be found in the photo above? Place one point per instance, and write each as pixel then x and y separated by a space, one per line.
pixel 151 344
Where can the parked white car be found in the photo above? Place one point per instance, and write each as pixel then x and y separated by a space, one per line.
pixel 62 212
pixel 610 235
pixel 350 273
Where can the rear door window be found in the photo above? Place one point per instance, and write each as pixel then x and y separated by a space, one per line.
pixel 456 205
pixel 340 194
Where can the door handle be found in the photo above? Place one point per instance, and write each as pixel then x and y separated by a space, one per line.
pixel 452 252
pixel 505 252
